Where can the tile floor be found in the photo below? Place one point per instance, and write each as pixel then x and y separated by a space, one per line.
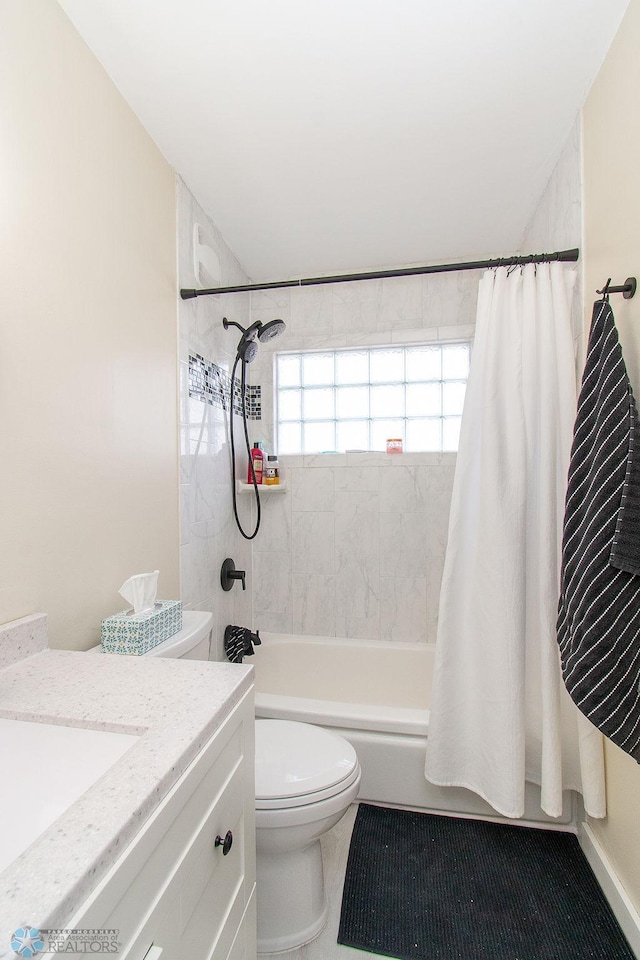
pixel 335 850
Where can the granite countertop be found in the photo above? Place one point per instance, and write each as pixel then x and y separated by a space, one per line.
pixel 174 705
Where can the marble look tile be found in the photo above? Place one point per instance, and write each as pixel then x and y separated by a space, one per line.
pixel 183 386
pixel 273 622
pixel 435 567
pixel 379 339
pixel 185 513
pixel 312 310
pixel 356 479
pixel 403 489
pixel 460 332
pixel 403 551
pixel 312 489
pixel 438 477
pixel 439 484
pixel 319 460
pixel 185 453
pixel 205 472
pixel 403 608
pixel 196 564
pixel 356 524
pixel 354 317
pixel 313 605
pixel 422 335
pixel 201 488
pixel 274 535
pixel 312 542
pixel 271 583
pixel 266 301
pixel 450 299
pixel 220 622
pixel 371 458
pixel 242 599
pixel 400 303
pixel 356 291
pixel 334 341
pixel 358 597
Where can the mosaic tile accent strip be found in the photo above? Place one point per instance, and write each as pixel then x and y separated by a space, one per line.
pixel 211 384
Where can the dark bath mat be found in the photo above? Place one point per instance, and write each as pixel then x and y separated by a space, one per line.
pixel 423 887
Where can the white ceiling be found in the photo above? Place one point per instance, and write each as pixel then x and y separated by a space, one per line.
pixel 342 135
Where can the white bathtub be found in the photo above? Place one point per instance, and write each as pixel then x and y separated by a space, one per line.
pixel 375 693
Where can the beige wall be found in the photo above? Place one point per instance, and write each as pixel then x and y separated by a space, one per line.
pixel 612 249
pixel 88 342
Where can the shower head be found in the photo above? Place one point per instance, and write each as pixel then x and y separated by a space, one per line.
pixel 247 347
pixel 271 330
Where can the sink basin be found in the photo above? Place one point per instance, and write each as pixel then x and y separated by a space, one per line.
pixel 46 768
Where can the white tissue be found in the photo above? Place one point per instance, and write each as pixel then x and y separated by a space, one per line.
pixel 140 591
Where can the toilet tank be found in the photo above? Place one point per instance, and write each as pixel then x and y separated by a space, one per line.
pixel 190 643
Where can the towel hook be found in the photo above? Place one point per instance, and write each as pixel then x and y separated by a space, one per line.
pixel 627 289
pixel 605 290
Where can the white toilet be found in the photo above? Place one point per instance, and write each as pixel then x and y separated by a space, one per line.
pixel 306 777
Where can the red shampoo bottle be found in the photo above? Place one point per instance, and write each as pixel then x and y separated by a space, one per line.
pixel 257 458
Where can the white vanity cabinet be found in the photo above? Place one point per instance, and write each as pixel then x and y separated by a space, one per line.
pixel 175 893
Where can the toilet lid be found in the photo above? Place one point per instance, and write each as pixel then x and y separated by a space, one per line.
pixel 295 759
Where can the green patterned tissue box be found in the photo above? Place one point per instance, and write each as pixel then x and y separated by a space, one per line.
pixel 137 633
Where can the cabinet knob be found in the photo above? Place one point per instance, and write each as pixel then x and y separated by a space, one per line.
pixel 224 843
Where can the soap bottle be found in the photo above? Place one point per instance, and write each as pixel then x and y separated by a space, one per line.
pixel 257 458
pixel 272 471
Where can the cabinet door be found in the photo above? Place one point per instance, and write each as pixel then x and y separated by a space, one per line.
pixel 244 946
pixel 174 889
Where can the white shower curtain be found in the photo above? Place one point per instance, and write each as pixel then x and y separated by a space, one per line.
pixel 500 714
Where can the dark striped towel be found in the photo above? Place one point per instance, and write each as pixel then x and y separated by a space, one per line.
pixel 239 641
pixel 599 608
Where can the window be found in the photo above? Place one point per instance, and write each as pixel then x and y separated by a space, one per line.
pixel 339 400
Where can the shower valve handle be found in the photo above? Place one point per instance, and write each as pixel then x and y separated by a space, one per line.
pixel 229 574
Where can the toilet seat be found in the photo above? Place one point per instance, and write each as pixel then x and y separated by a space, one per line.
pixel 299 764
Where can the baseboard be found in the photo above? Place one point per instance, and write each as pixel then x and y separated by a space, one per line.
pixel 623 909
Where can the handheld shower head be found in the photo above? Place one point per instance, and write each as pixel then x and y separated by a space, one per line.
pixel 247 347
pixel 246 352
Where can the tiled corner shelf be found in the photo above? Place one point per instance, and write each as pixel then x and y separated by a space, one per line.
pixel 267 488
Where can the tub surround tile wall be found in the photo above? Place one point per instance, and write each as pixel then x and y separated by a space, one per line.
pixel 208 530
pixel 356 547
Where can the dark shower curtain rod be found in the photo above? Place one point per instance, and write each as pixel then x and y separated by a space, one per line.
pixel 567 256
